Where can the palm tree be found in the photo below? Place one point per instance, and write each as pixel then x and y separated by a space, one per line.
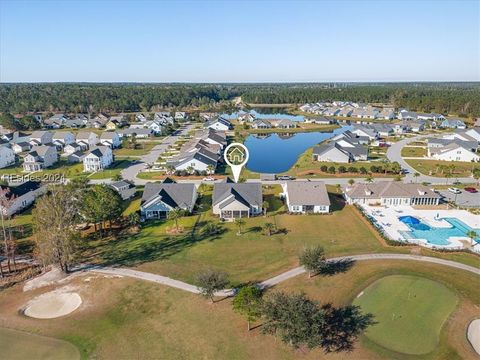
pixel 268 227
pixel 265 205
pixel 239 222
pixel 351 182
pixel 174 215
pixel 170 169
pixel 190 169
pixel 416 175
pixel 210 169
pixel 369 179
pixel 472 235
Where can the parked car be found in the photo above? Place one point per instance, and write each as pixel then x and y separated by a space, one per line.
pixel 208 178
pixel 471 190
pixel 454 190
pixel 285 177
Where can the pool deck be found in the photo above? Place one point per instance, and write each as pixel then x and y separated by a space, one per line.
pixel 388 218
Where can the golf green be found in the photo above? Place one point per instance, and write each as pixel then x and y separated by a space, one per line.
pixel 409 310
pixel 21 345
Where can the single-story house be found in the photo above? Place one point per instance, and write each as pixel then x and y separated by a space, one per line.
pixel 236 200
pixel 22 196
pixel 453 124
pixel 261 124
pixel 453 152
pixel 124 188
pixel 306 197
pixel 391 193
pixel 219 124
pixel 159 199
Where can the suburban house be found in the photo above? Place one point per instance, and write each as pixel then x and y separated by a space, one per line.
pixel 472 134
pixel 351 138
pixel 386 114
pixel 124 188
pixel 346 111
pixel 40 157
pixel 340 152
pixel 417 126
pixel 78 121
pixel 195 159
pixel 22 196
pixel 407 115
pixel 114 124
pixel 391 193
pixel 430 116
pixel 153 125
pixel 368 132
pixel 261 124
pixel 219 124
pixel 214 137
pixel 164 118
pixel 72 147
pixel 16 137
pixel 141 117
pixel 283 123
pixel 56 121
pixel 236 200
pixel 433 143
pixel 453 124
pixel 98 159
pixel 7 157
pixel 76 157
pixel 159 199
pixel 21 147
pixel 41 138
pixel 110 139
pixel 246 117
pixel 319 120
pixel 62 138
pixel 138 133
pixel 87 139
pixel 453 152
pixel 180 115
pixel 306 197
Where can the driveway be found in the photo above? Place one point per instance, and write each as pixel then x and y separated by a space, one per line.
pixel 394 154
pixel 130 173
pixel 465 198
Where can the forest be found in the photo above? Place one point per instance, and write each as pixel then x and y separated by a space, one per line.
pixel 462 99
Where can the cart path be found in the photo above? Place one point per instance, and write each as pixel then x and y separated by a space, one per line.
pixel 159 279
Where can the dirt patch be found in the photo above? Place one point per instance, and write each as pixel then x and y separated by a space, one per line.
pixel 53 304
pixel 49 278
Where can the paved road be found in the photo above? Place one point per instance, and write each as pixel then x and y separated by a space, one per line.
pixel 279 278
pixel 130 173
pixel 394 154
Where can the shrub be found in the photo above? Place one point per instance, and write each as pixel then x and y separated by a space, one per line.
pixel 331 169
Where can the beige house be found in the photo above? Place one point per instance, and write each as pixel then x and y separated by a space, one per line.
pixel 236 200
pixel 40 157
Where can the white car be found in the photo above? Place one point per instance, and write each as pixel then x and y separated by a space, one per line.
pixel 454 190
pixel 208 178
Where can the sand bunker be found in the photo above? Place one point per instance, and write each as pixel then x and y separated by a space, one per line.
pixel 473 335
pixel 53 304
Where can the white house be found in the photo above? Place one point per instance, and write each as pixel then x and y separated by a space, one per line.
pixel 87 139
pixel 98 159
pixel 306 197
pixel 72 148
pixel 22 196
pixel 7 157
pixel 110 139
pixel 180 115
pixel 453 152
pixel 62 138
pixel 219 124
pixel 40 157
pixel 21 147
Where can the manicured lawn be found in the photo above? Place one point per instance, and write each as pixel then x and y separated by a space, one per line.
pixel 142 149
pixel 414 151
pixel 250 256
pixel 115 169
pixel 434 167
pixel 410 312
pixel 307 167
pixel 18 345
pixel 167 323
pixel 62 167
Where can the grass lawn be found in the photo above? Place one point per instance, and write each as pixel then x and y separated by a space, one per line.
pixel 116 168
pixel 250 256
pixel 142 149
pixel 62 167
pixel 167 323
pixel 414 151
pixel 18 345
pixel 434 167
pixel 307 167
pixel 410 312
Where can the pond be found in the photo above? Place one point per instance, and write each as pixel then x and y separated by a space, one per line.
pixel 271 114
pixel 277 153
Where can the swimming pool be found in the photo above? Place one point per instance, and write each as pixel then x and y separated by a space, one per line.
pixel 433 235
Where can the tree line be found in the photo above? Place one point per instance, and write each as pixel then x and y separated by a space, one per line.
pixel 462 99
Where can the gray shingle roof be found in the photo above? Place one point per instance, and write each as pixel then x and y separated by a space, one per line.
pixel 173 194
pixel 307 193
pixel 248 193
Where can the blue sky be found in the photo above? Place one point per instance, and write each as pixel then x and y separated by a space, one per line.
pixel 248 41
